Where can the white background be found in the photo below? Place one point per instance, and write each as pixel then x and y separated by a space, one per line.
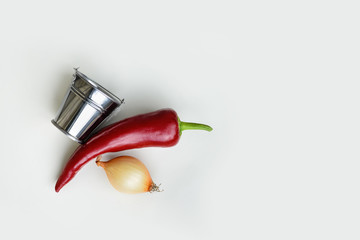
pixel 277 80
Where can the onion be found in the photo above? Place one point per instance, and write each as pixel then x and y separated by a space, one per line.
pixel 128 175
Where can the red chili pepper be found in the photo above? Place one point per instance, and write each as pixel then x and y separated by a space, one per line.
pixel 161 128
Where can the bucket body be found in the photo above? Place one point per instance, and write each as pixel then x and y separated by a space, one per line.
pixel 85 106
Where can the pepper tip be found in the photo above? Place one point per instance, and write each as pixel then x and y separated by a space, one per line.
pixel 58 187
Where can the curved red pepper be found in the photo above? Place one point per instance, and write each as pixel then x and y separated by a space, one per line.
pixel 161 128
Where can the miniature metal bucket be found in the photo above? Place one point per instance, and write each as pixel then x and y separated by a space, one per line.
pixel 85 106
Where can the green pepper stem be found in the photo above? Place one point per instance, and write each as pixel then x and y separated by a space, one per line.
pixel 193 126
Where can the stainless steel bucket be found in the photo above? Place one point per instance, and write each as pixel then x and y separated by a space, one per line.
pixel 86 105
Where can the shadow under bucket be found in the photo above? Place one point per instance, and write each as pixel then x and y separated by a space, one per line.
pixel 85 106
